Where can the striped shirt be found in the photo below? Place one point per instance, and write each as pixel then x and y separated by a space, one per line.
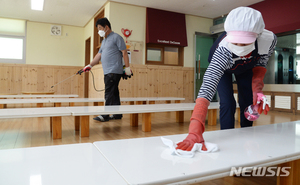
pixel 223 60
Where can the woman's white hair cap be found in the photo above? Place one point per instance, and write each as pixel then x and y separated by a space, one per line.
pixel 243 24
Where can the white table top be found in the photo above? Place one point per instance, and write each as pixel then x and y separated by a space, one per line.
pixel 164 98
pixel 278 87
pixel 34 112
pixel 19 101
pixel 41 96
pixel 151 162
pixel 62 100
pixel 128 109
pixel 74 164
pixel 121 99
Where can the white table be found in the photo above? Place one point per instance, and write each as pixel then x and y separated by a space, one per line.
pixel 55 114
pixel 74 164
pixel 34 112
pixel 41 96
pixel 58 99
pixel 148 160
pixel 84 112
pixel 140 100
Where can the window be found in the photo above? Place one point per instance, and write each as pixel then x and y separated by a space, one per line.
pixel 11 48
pixel 12 40
pixel 154 54
pixel 164 55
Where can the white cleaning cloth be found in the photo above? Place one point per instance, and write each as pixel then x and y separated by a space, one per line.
pixel 211 147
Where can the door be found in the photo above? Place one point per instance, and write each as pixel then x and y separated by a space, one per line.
pixel 291 69
pixel 280 68
pixel 203 45
pixel 87 62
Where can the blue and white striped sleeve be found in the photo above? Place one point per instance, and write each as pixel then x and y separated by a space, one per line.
pixel 219 63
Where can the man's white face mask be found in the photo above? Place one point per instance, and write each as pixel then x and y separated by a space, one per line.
pixel 101 33
pixel 241 50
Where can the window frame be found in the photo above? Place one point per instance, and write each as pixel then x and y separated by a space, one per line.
pixel 162 48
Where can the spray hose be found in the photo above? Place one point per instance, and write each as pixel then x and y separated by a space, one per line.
pixel 81 71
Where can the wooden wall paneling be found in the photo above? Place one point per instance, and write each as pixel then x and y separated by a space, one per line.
pixel 78 85
pixel 188 84
pixel 66 85
pixel 179 82
pixel 73 81
pixel 30 77
pixel 173 76
pixel 99 82
pixel 126 86
pixel 81 86
pixel 16 79
pixel 164 88
pixel 153 81
pixel 25 81
pixel 4 80
pixel 148 80
pixel 49 79
pixel 57 78
pixel 40 81
pixel 140 81
pixel 33 78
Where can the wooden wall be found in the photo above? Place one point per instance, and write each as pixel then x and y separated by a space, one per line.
pixel 18 78
pixel 150 81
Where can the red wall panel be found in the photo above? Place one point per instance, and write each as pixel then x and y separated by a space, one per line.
pixel 164 27
pixel 280 15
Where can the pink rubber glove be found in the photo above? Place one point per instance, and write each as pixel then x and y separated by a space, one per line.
pixel 197 126
pixel 257 86
pixel 262 103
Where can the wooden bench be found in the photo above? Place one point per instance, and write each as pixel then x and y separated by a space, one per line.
pixel 260 146
pixel 97 101
pixel 84 112
pixel 73 164
pixel 18 99
pixel 55 114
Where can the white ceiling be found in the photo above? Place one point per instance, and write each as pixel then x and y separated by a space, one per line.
pixel 79 12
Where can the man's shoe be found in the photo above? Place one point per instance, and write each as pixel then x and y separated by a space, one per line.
pixel 114 117
pixel 100 118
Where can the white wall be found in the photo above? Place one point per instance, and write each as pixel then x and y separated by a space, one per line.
pixel 194 24
pixel 44 49
pixel 134 18
pixel 89 28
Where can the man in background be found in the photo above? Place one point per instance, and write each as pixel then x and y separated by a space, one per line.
pixel 112 49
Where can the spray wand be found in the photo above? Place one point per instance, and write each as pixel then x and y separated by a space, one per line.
pixel 79 72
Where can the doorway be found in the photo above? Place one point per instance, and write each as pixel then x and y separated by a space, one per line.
pixel 87 62
pixel 280 69
pixel 203 44
pixel 291 70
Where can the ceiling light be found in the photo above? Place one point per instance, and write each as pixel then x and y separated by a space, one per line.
pixel 37 5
